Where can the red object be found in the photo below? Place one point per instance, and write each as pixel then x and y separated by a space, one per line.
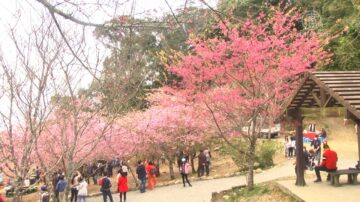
pixel 122 183
pixel 149 168
pixel 100 181
pixel 2 198
pixel 310 135
pixel 329 159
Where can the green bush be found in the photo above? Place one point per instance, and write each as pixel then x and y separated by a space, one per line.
pixel 239 159
pixel 265 153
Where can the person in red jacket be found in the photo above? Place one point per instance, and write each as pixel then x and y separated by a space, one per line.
pixel 328 163
pixel 123 186
pixel 151 173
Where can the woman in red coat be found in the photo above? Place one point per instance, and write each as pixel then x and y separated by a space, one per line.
pixel 123 186
pixel 151 173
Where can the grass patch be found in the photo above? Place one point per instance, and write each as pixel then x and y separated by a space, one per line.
pixel 265 192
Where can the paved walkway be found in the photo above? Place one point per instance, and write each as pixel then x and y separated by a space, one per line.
pixel 201 190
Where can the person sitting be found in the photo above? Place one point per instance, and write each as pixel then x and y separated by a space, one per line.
pixel 328 163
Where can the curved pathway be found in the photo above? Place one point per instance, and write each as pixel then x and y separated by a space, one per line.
pixel 201 190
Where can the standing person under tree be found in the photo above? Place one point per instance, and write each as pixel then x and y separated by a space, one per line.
pixel 123 186
pixel 151 172
pixel 105 188
pixel 201 163
pixel 184 170
pixel 208 161
pixel 141 172
pixel 82 190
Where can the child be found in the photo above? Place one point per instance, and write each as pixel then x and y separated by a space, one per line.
pixel 123 186
pixel 311 159
pixel 44 194
pixel 286 146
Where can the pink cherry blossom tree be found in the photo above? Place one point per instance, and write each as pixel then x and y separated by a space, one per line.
pixel 168 125
pixel 243 76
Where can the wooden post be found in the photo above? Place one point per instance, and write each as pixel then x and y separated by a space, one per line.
pixel 322 97
pixel 300 161
pixel 358 139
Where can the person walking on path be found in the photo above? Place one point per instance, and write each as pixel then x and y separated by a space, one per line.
pixel 328 163
pixel 82 190
pixel 60 188
pixel 105 188
pixel 184 170
pixel 201 163
pixel 141 172
pixel 151 173
pixel 123 186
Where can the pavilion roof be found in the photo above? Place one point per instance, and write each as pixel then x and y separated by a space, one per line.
pixel 328 89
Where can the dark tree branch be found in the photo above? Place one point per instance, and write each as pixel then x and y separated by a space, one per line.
pixel 69 46
pixel 173 14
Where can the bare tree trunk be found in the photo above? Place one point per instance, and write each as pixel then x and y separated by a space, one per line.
pixel 171 169
pixel 251 162
pixel 271 125
pixel 192 156
pixel 17 193
pixel 300 161
pixel 251 153
pixel 133 175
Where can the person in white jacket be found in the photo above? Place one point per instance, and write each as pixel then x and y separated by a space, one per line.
pixel 82 190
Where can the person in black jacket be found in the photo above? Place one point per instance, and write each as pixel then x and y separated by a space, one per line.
pixel 201 163
pixel 141 172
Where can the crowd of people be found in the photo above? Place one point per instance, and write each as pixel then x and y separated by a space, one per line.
pixel 314 158
pixel 100 173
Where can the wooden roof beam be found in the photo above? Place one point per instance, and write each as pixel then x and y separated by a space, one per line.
pixel 333 94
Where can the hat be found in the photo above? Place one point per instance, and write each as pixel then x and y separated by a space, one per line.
pixel 44 187
pixel 124 169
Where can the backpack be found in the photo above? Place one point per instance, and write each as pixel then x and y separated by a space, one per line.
pixel 100 181
pixel 45 197
pixel 153 171
pixel 105 184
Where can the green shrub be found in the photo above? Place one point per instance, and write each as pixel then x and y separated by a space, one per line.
pixel 265 153
pixel 238 158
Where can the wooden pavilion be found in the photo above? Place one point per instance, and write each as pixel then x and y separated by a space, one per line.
pixel 324 89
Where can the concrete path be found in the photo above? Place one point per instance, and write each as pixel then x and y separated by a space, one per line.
pixel 324 192
pixel 201 190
